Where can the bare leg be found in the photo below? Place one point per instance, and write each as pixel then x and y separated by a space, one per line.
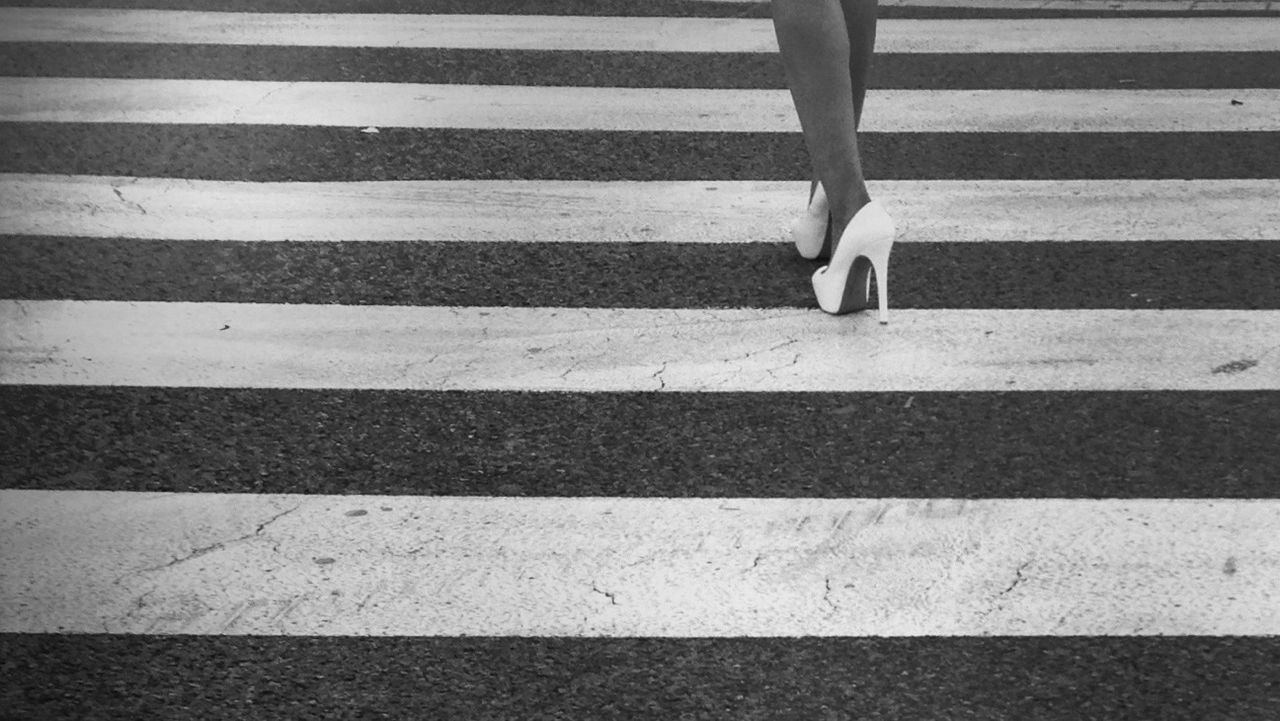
pixel 860 23
pixel 816 54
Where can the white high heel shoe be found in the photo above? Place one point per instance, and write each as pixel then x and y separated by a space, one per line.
pixel 844 285
pixel 810 231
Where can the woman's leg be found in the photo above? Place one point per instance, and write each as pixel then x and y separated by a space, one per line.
pixel 816 53
pixel 860 23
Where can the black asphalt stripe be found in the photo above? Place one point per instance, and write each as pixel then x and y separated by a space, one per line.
pixel 279 153
pixel 617 8
pixel 1181 444
pixel 1048 275
pixel 987 679
pixel 627 69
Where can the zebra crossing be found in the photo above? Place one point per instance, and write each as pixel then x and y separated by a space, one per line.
pixel 437 364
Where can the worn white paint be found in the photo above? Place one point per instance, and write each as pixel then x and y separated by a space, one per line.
pixel 1200 6
pixel 950 211
pixel 1205 6
pixel 93 562
pixel 358 105
pixel 635 34
pixel 582 349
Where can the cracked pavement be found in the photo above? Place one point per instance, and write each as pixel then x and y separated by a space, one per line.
pixel 284 564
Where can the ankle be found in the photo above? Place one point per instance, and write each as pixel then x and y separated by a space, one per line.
pixel 843 213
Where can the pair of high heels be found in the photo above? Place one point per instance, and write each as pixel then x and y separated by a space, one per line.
pixel 844 284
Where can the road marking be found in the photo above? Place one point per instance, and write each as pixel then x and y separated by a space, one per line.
pixel 261 345
pixel 129 563
pixel 1111 6
pixel 357 105
pixel 626 34
pixel 939 211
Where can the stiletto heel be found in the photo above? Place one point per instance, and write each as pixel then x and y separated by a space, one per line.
pixel 812 232
pixel 880 265
pixel 844 285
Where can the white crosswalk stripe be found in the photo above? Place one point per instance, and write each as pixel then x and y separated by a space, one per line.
pixel 262 345
pixel 720 211
pixel 634 34
pixel 232 102
pixel 638 567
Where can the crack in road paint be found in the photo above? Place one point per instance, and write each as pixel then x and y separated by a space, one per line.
pixel 139 603
pixel 795 361
pixel 662 383
pixel 573 366
pixel 128 202
pixel 881 512
pixel 261 100
pixel 613 597
pixel 273 519
pixel 205 550
pixel 1234 367
pixel 751 353
pixel 1018 577
pixel 844 518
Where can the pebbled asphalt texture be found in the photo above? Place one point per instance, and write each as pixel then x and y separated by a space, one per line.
pixel 308 153
pixel 832 445
pixel 1049 275
pixel 899 71
pixel 986 679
